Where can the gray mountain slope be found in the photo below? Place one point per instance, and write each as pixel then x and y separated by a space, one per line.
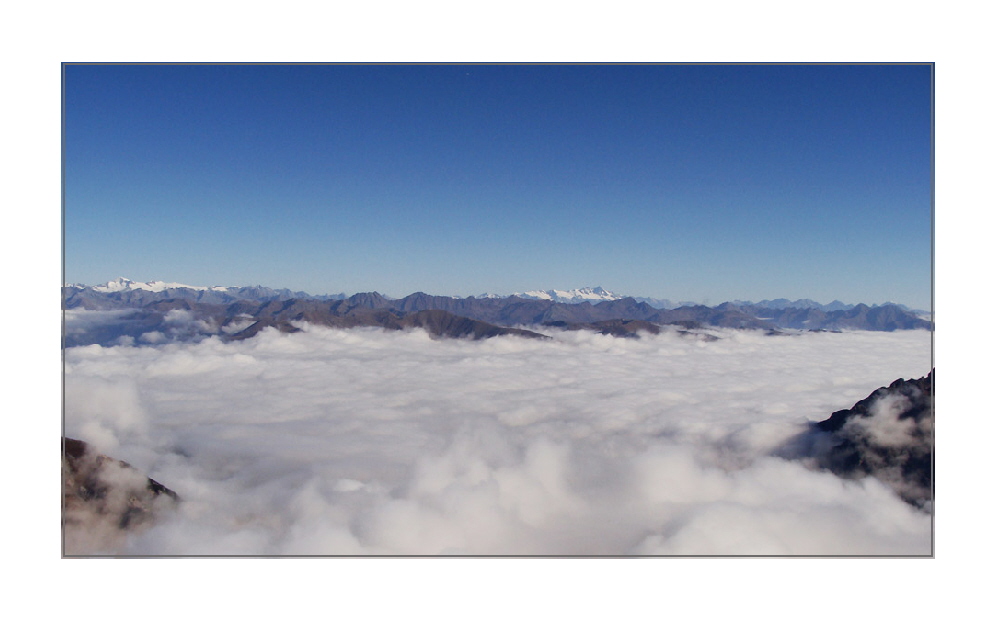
pixel 147 316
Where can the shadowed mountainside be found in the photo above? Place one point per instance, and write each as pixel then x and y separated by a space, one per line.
pixel 888 435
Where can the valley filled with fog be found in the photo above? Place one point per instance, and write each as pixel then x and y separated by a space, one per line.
pixel 363 441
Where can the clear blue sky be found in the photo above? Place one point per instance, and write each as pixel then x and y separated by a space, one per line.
pixel 701 183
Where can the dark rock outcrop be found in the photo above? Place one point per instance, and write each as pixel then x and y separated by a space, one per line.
pixel 440 323
pixel 104 499
pixel 888 435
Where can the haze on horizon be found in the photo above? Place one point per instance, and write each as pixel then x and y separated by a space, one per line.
pixel 706 183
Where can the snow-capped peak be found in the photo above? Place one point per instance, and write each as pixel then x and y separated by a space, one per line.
pixel 158 286
pixel 113 286
pixel 573 296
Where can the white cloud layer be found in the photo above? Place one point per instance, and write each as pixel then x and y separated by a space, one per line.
pixel 361 441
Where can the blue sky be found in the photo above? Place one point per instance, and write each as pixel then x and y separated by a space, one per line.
pixel 695 182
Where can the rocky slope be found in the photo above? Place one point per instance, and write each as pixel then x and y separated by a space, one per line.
pixel 888 435
pixel 104 499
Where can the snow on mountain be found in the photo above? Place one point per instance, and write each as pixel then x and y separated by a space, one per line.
pixel 573 296
pixel 158 286
pixel 158 289
pixel 590 294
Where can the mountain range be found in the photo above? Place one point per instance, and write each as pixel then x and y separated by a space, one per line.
pixel 597 293
pixel 127 309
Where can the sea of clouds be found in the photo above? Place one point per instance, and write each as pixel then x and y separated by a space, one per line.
pixel 354 442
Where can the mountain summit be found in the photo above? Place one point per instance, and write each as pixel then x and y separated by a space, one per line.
pixel 573 296
pixel 158 286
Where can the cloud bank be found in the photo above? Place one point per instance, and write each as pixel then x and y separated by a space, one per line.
pixel 352 442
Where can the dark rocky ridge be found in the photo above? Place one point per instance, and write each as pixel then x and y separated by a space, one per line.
pixel 104 499
pixel 888 435
pixel 177 320
pixel 438 323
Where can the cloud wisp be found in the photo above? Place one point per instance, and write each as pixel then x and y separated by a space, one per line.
pixel 352 442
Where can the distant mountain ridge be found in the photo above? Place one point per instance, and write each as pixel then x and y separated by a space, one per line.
pixel 158 312
pixel 143 292
pixel 132 294
pixel 784 304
